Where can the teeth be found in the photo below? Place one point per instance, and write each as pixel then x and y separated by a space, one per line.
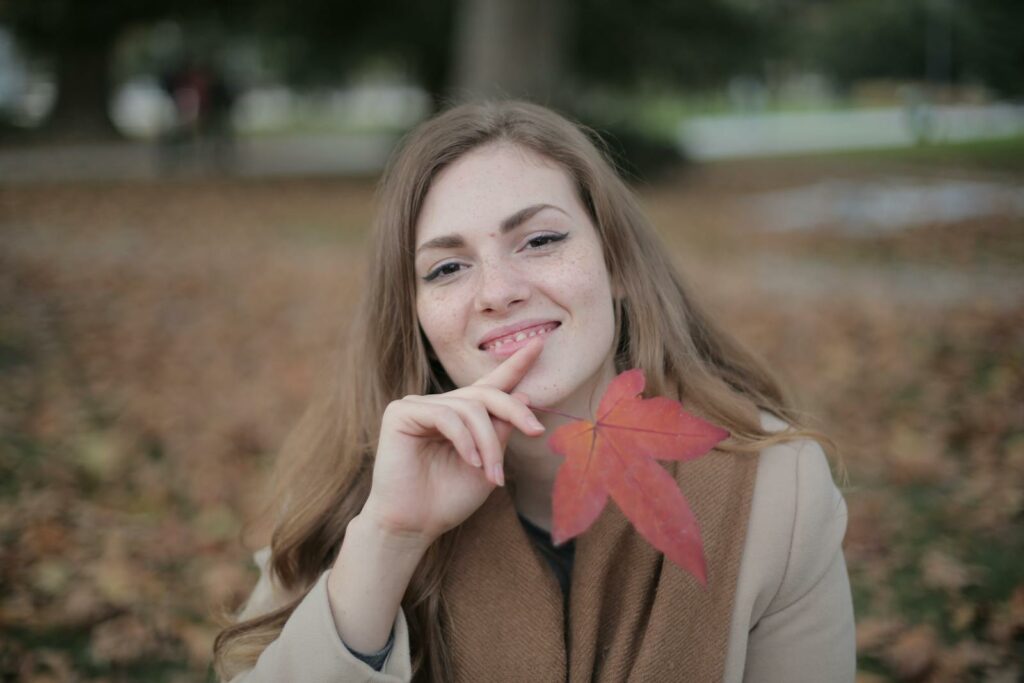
pixel 521 336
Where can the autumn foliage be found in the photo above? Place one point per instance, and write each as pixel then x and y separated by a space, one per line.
pixel 615 455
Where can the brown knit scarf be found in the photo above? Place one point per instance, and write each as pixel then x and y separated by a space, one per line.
pixel 633 616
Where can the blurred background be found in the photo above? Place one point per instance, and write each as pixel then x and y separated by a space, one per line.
pixel 185 192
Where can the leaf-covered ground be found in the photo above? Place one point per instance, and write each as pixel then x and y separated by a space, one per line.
pixel 158 340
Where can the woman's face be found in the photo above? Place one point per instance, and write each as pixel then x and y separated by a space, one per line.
pixel 505 251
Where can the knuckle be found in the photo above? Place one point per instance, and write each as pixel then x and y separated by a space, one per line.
pixel 478 410
pixel 466 402
pixel 490 395
pixel 469 393
pixel 470 406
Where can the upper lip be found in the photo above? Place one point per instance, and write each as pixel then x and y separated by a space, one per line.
pixel 505 330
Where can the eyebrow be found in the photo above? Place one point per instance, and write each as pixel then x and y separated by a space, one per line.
pixel 510 223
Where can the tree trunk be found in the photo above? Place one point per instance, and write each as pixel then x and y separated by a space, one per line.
pixel 509 48
pixel 82 109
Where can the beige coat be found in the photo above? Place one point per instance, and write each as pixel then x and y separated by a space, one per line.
pixel 792 616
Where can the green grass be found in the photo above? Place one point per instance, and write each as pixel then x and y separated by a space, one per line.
pixel 75 643
pixel 1004 154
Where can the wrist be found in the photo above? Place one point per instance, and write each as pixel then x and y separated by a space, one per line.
pixel 376 528
pixel 366 583
pixel 385 543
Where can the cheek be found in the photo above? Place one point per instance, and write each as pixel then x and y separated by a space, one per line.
pixel 441 319
pixel 584 279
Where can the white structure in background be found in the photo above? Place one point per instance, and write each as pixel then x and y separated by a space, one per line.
pixel 264 109
pixel 26 97
pixel 367 106
pixel 142 109
pixel 752 135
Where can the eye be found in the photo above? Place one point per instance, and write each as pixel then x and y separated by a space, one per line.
pixel 543 240
pixel 442 271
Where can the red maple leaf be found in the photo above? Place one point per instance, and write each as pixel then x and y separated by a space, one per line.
pixel 615 456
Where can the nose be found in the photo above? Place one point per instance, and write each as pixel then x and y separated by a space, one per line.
pixel 500 288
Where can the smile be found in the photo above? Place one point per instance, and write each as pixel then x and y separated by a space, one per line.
pixel 518 339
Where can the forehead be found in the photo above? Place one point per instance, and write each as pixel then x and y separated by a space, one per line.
pixel 488 184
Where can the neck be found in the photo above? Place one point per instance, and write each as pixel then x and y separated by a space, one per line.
pixel 531 463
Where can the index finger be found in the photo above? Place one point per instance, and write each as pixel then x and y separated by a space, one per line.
pixel 512 370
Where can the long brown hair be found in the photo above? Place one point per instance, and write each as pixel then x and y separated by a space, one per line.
pixel 325 465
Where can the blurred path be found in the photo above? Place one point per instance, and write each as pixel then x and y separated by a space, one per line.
pixel 913 286
pixel 292 155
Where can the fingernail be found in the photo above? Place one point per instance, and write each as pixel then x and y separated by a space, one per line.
pixel 475 458
pixel 497 475
pixel 535 423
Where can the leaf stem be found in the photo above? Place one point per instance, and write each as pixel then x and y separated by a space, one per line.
pixel 555 412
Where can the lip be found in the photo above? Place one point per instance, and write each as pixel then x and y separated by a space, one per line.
pixel 505 330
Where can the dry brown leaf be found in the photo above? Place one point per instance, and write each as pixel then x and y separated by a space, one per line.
pixel 1010 673
pixel 198 641
pixel 1008 620
pixel 917 457
pixel 83 604
pixel 46 665
pixel 223 584
pixel 964 614
pixel 956 661
pixel 941 570
pixel 121 640
pixel 116 581
pixel 914 652
pixel 873 632
pixel 866 677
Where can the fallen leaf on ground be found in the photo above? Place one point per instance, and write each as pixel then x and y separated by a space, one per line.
pixel 914 652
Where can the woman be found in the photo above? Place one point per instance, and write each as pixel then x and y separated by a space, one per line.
pixel 513 268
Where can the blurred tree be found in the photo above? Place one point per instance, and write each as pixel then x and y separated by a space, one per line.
pixel 511 48
pixel 321 41
pixel 676 44
pixel 78 39
pixel 910 40
pixel 940 41
pixel 992 44
pixel 545 50
pixel 542 49
pixel 654 45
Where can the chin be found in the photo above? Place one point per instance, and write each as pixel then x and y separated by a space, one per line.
pixel 560 390
pixel 543 394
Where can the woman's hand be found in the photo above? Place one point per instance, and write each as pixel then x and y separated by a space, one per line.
pixel 440 456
